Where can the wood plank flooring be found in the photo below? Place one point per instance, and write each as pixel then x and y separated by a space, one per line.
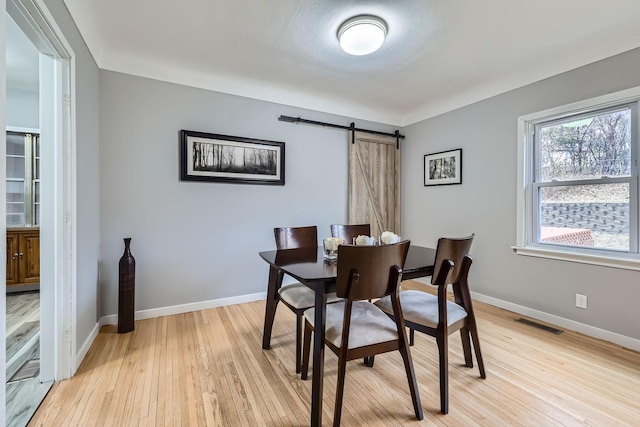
pixel 23 398
pixel 207 368
pixel 23 343
pixel 23 320
pixel 22 307
pixel 23 328
pixel 21 337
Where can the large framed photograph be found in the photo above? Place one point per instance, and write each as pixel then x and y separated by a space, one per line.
pixel 223 158
pixel 443 168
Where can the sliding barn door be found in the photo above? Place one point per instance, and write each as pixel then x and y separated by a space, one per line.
pixel 374 182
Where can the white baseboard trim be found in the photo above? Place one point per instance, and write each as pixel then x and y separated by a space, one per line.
pixel 592 331
pixel 624 341
pixel 186 308
pixel 163 311
pixel 86 346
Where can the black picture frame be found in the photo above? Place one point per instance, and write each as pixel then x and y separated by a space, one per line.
pixel 230 159
pixel 443 168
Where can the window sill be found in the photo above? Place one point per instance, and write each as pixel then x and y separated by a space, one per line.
pixel 623 261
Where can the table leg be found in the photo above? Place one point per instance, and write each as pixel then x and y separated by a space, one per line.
pixel 275 281
pixel 318 354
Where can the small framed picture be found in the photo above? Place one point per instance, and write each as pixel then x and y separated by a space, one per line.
pixel 444 168
pixel 231 159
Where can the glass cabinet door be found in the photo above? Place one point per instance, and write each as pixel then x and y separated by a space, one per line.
pixel 36 180
pixel 16 212
pixel 23 179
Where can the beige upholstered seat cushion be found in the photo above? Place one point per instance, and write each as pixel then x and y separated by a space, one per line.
pixel 422 308
pixel 369 325
pixel 300 296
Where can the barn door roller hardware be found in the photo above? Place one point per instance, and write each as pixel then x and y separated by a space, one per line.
pixel 352 127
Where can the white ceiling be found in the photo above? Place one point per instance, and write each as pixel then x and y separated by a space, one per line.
pixel 439 54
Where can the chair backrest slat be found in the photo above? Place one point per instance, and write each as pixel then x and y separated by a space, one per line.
pixel 374 267
pixel 453 249
pixel 296 237
pixel 348 232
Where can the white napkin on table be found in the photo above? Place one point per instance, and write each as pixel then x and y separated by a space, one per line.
pixel 332 243
pixel 388 237
pixel 363 240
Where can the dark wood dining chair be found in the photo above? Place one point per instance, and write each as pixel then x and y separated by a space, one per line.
pixel 436 316
pixel 347 232
pixel 296 296
pixel 356 328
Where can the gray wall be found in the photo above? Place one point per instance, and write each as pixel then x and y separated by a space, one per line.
pixel 486 201
pixel 87 174
pixel 22 108
pixel 199 241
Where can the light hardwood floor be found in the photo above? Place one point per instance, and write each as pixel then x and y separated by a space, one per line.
pixel 208 368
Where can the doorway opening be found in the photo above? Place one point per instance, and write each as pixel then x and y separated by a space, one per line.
pixel 38 217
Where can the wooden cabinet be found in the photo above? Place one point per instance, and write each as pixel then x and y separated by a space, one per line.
pixel 23 256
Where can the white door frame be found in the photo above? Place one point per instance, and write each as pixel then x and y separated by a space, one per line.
pixel 58 171
pixel 3 221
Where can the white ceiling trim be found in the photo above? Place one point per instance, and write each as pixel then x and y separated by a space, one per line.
pixel 439 56
pixel 507 83
pixel 254 89
pixel 264 91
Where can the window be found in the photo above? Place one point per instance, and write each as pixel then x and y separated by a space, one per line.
pixel 23 179
pixel 578 182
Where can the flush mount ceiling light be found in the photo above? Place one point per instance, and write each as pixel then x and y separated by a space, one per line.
pixel 362 35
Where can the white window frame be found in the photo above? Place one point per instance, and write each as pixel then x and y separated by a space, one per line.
pixel 527 207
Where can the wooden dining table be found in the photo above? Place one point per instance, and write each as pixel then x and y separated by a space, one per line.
pixel 308 266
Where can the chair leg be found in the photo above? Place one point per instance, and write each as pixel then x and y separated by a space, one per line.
pixel 275 281
pixel 307 347
pixel 299 320
pixel 466 347
pixel 443 350
pixel 412 334
pixel 337 412
pixel 413 383
pixel 476 347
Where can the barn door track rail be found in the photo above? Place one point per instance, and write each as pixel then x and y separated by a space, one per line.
pixel 352 128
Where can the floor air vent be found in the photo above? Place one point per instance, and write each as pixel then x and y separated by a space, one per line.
pixel 30 369
pixel 540 326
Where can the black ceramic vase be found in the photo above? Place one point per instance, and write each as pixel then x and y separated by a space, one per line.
pixel 126 285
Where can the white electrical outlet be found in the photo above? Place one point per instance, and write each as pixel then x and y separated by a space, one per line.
pixel 581 301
